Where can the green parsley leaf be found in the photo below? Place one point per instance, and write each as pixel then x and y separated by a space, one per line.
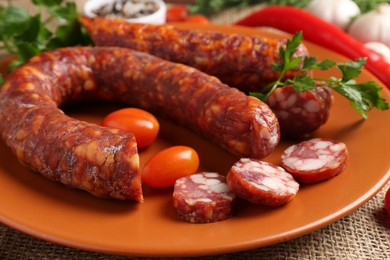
pixel 47 3
pixel 26 35
pixel 293 63
pixel 278 66
pixel 262 97
pixel 31 31
pixel 26 50
pixel 371 94
pixel 16 20
pixel 292 45
pixel 351 69
pixel 354 97
pixel 67 12
pixel 309 62
pixel 325 64
pixel 302 82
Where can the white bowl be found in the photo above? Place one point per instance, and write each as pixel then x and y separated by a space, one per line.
pixel 158 17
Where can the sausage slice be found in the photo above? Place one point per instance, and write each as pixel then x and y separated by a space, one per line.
pixel 203 197
pixel 261 182
pixel 315 160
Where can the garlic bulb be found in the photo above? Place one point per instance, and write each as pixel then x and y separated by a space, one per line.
pixel 337 12
pixel 379 48
pixel 373 26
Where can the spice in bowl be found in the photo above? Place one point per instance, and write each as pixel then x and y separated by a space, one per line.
pixel 143 11
pixel 127 9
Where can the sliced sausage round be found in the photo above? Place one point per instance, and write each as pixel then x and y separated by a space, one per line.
pixel 315 160
pixel 203 197
pixel 261 182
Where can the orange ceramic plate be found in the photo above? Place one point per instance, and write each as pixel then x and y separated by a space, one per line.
pixel 50 211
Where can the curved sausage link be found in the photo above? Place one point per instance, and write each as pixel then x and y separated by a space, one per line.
pixel 241 61
pixel 105 161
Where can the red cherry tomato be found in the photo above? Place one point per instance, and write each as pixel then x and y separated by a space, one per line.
pixel 177 13
pixel 170 164
pixel 141 123
pixel 198 18
pixel 387 202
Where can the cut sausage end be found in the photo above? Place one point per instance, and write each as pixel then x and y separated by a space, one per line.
pixel 300 114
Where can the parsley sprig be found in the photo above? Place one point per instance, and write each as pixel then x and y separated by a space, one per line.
pixel 54 25
pixel 362 96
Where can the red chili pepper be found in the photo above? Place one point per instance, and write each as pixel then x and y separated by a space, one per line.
pixel 292 20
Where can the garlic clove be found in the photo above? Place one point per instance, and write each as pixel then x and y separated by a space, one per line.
pixel 373 26
pixel 337 12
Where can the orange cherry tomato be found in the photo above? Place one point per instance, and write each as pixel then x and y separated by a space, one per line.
pixel 141 123
pixel 176 13
pixel 168 165
pixel 198 18
pixel 387 202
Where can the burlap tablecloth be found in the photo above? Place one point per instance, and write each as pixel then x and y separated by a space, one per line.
pixel 363 234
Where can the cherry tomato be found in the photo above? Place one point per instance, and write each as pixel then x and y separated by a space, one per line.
pixel 177 13
pixel 168 165
pixel 141 123
pixel 387 202
pixel 198 18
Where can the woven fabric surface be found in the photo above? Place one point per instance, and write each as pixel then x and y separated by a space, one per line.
pixel 363 234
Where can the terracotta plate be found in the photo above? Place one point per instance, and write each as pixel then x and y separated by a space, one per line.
pixel 50 211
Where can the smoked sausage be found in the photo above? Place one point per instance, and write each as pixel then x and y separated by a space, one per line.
pixel 105 161
pixel 240 61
